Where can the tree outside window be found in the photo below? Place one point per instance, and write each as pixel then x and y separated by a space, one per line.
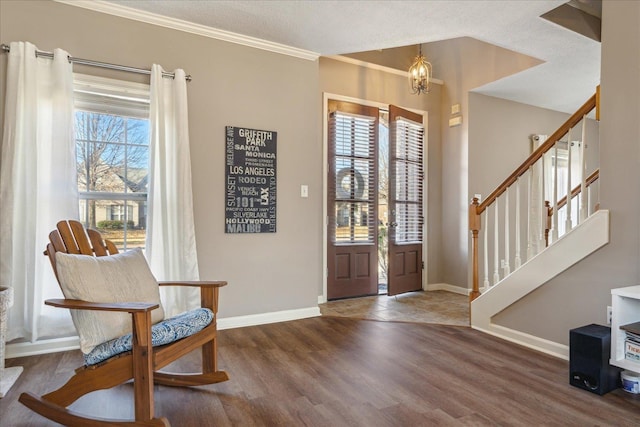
pixel 113 166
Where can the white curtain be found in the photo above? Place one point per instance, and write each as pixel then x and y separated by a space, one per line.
pixel 171 242
pixel 38 185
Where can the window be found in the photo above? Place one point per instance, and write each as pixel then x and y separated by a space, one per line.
pixel 407 176
pixel 353 138
pixel 117 212
pixel 112 152
pixel 561 163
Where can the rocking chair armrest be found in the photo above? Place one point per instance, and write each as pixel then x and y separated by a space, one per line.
pixel 199 283
pixel 129 307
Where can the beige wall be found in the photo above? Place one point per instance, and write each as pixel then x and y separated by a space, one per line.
pixel 500 138
pixel 340 78
pixel 464 64
pixel 580 295
pixel 232 85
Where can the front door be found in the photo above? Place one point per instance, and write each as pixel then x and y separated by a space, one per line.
pixel 352 245
pixel 406 218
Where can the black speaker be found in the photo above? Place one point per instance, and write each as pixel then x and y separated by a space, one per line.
pixel 589 352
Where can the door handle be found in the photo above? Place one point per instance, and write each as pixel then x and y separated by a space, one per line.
pixel 393 224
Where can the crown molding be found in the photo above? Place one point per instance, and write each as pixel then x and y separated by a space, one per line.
pixel 189 27
pixel 373 66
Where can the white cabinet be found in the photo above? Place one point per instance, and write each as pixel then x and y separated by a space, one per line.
pixel 626 309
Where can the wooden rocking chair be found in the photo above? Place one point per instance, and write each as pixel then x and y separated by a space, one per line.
pixel 143 361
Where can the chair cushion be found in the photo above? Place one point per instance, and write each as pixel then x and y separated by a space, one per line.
pixel 165 332
pixel 123 277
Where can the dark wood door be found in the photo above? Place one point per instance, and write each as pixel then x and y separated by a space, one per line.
pixel 352 201
pixel 406 218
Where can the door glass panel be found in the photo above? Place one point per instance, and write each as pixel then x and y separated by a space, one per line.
pixel 409 228
pixel 383 202
pixel 354 163
pixel 352 222
pixel 408 178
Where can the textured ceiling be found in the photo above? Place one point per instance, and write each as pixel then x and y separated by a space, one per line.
pixel 567 78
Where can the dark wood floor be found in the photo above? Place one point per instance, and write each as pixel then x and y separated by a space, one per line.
pixel 333 372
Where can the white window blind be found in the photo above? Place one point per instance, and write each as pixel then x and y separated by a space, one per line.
pixel 409 178
pixel 353 141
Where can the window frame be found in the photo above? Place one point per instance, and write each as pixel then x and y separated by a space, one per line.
pixel 131 100
pixel 363 129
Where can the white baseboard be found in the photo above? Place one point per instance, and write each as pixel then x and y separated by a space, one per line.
pixel 447 287
pixel 41 347
pixel 264 318
pixel 321 299
pixel 551 348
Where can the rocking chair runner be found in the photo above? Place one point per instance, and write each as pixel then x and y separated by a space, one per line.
pixel 143 361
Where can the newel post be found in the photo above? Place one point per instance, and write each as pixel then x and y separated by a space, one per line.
pixel 474 226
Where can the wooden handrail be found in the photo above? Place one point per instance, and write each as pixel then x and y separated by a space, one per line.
pixel 539 152
pixel 590 180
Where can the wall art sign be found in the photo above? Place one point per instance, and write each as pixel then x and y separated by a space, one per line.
pixel 250 180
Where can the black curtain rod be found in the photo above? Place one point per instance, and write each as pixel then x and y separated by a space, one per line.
pixel 91 63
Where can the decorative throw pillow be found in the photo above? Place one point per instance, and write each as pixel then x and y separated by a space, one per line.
pixel 123 277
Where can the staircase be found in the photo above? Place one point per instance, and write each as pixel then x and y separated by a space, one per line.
pixel 523 229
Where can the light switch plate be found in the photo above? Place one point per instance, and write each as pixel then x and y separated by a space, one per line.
pixel 304 191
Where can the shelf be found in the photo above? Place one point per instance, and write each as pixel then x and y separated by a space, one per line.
pixel 625 303
pixel 629 292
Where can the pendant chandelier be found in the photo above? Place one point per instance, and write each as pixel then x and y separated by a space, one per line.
pixel 420 74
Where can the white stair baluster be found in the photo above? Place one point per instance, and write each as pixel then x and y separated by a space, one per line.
pixel 529 216
pixel 583 171
pixel 568 205
pixel 507 268
pixel 496 254
pixel 544 213
pixel 554 234
pixel 486 284
pixel 517 261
